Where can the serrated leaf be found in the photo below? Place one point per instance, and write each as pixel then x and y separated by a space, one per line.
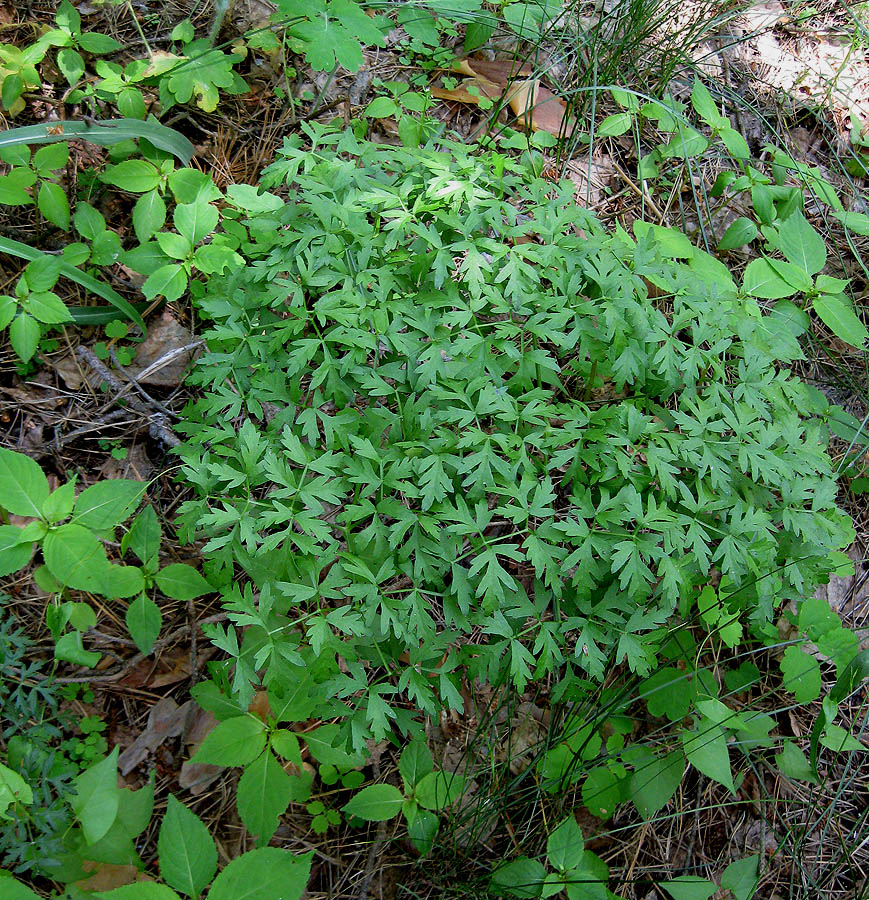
pixel 149 215
pixel 134 175
pixel 75 557
pixel 376 803
pixel 136 808
pixel 438 790
pixel 94 42
pixel 740 232
pixel 24 335
pixel 760 279
pixel 325 746
pixel 52 203
pixel 11 888
pixel 654 781
pixel 107 503
pixel 667 693
pixel 741 877
pixel 801 244
pixel 195 221
pixel 523 877
pixel 23 485
pixel 144 621
pixel 97 796
pixel 856 222
pixel 140 890
pixel 838 740
pixel 690 887
pixel 182 582
pixel 835 313
pixel 601 792
pixel 48 308
pixel 233 742
pixel 264 793
pixel 423 830
pixel 187 854
pixel 614 125
pixel 71 64
pixel 249 198
pixel 122 581
pixel 286 744
pixel 14 553
pixel 88 221
pixel 264 874
pixel 565 845
pixel 144 535
pixel 415 763
pixel 703 103
pixel 735 143
pixel 69 648
pixel 168 281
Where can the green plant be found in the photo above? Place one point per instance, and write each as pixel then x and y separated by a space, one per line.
pixel 91 745
pixel 198 70
pixel 426 792
pixel 34 306
pixel 777 209
pixel 109 819
pixel 169 257
pixel 330 32
pixel 71 532
pixel 41 780
pixel 26 173
pixel 857 163
pixel 442 430
pixel 409 109
pixel 577 871
pixel 69 37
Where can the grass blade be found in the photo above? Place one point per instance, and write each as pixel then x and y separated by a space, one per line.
pixel 104 133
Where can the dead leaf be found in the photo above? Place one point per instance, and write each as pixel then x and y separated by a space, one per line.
pixel 107 877
pixel 498 71
pixel 166 719
pixel 171 667
pixel 533 104
pixel 73 373
pixel 135 465
pixel 537 106
pixel 259 706
pixel 196 777
pixel 463 94
pixel 766 14
pixel 592 177
pixel 164 338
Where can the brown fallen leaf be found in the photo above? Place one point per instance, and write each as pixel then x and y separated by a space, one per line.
pixel 259 706
pixel 107 877
pixel 74 376
pixel 166 719
pixel 533 104
pixel 463 93
pixel 135 465
pixel 498 71
pixel 537 107
pixel 196 777
pixel 165 337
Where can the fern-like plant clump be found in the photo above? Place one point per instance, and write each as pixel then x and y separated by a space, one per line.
pixel 452 426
